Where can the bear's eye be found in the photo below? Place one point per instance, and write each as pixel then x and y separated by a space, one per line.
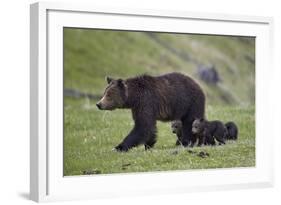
pixel 109 95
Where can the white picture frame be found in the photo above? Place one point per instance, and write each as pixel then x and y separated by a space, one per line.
pixel 46 94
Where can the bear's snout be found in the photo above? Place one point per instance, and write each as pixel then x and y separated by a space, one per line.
pixel 98 105
pixel 194 130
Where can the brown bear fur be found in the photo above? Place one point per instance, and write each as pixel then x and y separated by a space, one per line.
pixel 168 97
pixel 232 131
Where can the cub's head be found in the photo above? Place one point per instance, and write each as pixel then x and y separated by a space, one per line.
pixel 198 126
pixel 176 126
pixel 114 96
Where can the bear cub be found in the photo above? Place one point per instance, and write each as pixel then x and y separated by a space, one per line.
pixel 232 131
pixel 176 127
pixel 208 131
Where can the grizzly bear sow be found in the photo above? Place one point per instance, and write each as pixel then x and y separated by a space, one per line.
pixel 167 97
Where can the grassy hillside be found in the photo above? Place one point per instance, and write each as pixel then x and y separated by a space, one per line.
pixel 90 55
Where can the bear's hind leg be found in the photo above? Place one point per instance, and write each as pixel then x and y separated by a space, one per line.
pixel 193 140
pixel 179 137
pixel 187 133
pixel 220 139
pixel 209 140
pixel 219 136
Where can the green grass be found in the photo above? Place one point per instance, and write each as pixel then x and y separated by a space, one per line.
pixel 90 135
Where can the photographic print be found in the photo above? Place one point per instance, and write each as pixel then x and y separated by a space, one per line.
pixel 139 101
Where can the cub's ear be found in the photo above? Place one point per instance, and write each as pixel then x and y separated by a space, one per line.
pixel 201 120
pixel 108 79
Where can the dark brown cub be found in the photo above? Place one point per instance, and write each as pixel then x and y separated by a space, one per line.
pixel 208 131
pixel 176 127
pixel 232 131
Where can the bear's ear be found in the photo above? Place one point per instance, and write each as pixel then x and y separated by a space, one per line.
pixel 201 120
pixel 108 79
pixel 121 83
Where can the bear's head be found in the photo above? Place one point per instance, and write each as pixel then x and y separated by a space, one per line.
pixel 176 126
pixel 198 126
pixel 114 96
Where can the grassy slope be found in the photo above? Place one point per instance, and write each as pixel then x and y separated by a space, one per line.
pixel 90 135
pixel 90 55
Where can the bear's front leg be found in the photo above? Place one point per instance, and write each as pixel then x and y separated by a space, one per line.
pixel 133 139
pixel 201 140
pixel 150 143
pixel 142 133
